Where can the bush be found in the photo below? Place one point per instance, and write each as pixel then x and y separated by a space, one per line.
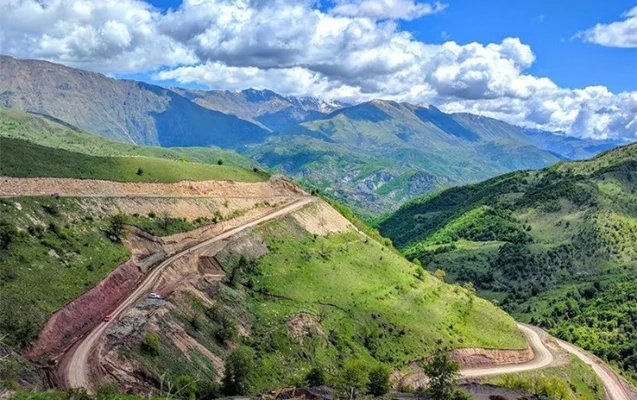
pixel 442 373
pixel 316 377
pixel 220 161
pixel 238 366
pixel 378 384
pixel 354 376
pixel 186 387
pixel 151 344
pixel 8 233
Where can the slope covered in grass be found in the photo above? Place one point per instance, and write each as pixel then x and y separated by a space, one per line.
pixel 50 132
pixel 558 247
pixel 362 300
pixel 25 159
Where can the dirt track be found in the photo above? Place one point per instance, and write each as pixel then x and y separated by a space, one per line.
pixel 66 187
pixel 614 385
pixel 75 366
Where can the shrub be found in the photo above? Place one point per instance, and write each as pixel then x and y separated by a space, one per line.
pixel 316 377
pixel 151 344
pixel 378 384
pixel 220 161
pixel 238 366
pixel 354 376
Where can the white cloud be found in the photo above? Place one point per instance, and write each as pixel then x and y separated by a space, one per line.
pixel 616 34
pixel 292 47
pixel 106 35
pixel 386 9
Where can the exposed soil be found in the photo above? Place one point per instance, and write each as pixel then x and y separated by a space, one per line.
pixel 478 358
pixel 77 318
pixel 321 219
pixel 304 324
pixel 13 187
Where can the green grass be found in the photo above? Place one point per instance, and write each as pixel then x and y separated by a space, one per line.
pixel 25 159
pixel 58 252
pixel 49 132
pixel 573 381
pixel 368 299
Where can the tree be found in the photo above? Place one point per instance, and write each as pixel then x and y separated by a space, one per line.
pixel 238 366
pixel 220 161
pixel 116 230
pixel 139 172
pixel 440 274
pixel 354 376
pixel 442 373
pixel 378 384
pixel 316 377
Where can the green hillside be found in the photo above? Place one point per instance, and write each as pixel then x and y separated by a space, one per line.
pixel 357 300
pixel 557 247
pixel 376 155
pixel 34 145
pixel 50 132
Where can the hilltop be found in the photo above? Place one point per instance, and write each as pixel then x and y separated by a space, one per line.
pixel 556 247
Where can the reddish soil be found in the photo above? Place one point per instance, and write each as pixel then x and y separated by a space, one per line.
pixel 77 318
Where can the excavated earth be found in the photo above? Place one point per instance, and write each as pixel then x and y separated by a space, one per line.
pixel 66 187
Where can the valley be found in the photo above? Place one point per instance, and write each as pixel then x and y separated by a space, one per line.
pixel 167 242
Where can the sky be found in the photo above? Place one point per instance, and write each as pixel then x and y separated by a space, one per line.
pixel 560 65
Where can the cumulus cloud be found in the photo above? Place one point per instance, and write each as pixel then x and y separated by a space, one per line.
pixel 107 35
pixel 295 48
pixel 386 9
pixel 616 34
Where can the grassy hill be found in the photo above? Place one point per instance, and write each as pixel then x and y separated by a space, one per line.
pixel 34 145
pixel 557 247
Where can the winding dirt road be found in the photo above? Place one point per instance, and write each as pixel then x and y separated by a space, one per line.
pixel 543 358
pixel 613 384
pixel 76 368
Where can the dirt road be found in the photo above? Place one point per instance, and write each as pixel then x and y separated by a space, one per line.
pixel 615 388
pixel 543 358
pixel 76 368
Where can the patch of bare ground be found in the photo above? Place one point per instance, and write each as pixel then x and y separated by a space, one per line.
pixel 304 324
pixel 65 187
pixel 321 219
pixel 478 358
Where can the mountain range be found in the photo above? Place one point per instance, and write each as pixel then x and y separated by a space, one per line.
pixel 374 155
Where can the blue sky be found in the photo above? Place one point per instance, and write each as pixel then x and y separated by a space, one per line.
pixel 560 65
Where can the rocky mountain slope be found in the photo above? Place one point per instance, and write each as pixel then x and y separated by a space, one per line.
pixel 124 110
pixel 556 247
pixel 263 107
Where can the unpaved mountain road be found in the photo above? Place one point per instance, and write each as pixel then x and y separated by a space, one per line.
pixel 543 358
pixel 613 384
pixel 615 387
pixel 75 365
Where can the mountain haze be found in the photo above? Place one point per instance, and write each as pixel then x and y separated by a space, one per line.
pixel 374 155
pixel 124 110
